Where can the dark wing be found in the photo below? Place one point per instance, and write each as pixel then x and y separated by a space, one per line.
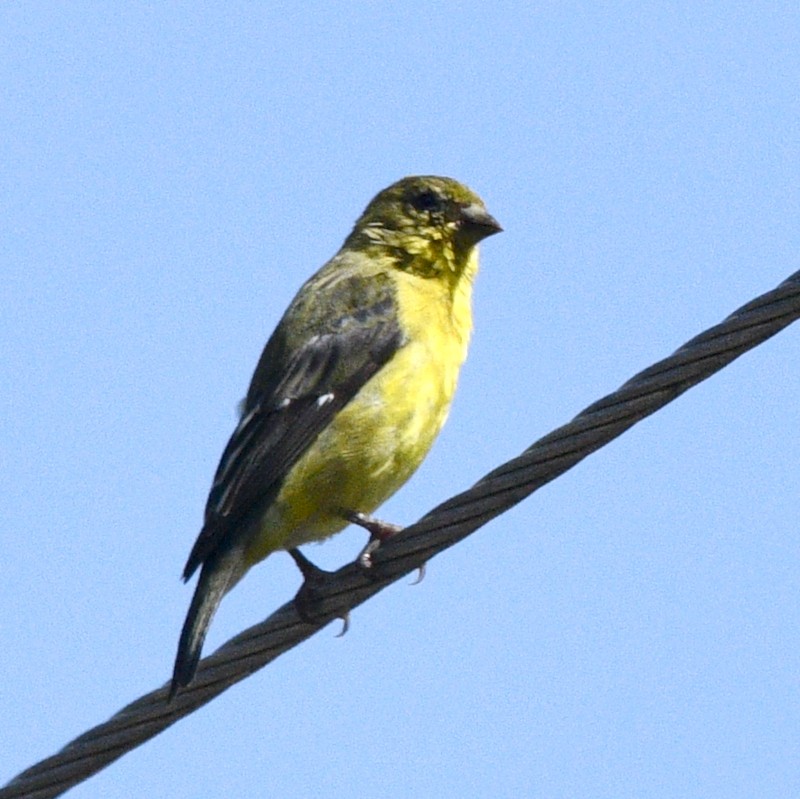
pixel 291 401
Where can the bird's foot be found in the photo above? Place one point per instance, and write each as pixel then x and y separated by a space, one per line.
pixel 308 600
pixel 379 532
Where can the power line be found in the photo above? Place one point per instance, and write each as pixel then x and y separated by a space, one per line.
pixel 438 530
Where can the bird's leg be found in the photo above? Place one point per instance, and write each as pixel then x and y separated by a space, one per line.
pixel 307 598
pixel 379 531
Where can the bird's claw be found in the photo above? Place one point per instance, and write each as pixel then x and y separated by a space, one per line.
pixel 420 574
pixel 345 625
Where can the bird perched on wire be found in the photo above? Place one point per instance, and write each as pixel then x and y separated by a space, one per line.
pixel 349 394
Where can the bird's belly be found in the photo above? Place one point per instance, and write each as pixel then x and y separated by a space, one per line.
pixel 369 450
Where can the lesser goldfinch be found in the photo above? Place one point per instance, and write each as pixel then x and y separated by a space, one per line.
pixel 349 393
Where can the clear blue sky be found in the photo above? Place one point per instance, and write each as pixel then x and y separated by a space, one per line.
pixel 171 173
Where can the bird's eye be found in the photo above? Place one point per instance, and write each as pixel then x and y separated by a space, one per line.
pixel 427 201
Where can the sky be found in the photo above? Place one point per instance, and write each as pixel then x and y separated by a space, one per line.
pixel 171 173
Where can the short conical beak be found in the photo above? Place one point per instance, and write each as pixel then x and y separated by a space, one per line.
pixel 479 221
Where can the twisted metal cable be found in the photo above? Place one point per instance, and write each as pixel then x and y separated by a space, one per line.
pixel 338 592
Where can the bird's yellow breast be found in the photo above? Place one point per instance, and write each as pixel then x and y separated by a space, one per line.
pixel 377 441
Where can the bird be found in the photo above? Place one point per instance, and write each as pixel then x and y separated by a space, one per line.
pixel 349 393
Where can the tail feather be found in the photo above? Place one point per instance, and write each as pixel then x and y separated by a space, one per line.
pixel 218 575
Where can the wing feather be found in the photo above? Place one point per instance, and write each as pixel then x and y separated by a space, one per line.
pixel 292 399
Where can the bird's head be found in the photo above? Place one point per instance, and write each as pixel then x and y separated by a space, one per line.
pixel 428 223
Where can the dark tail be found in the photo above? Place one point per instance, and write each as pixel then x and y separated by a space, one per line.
pixel 218 575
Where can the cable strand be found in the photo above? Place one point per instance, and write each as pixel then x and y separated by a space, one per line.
pixel 441 528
